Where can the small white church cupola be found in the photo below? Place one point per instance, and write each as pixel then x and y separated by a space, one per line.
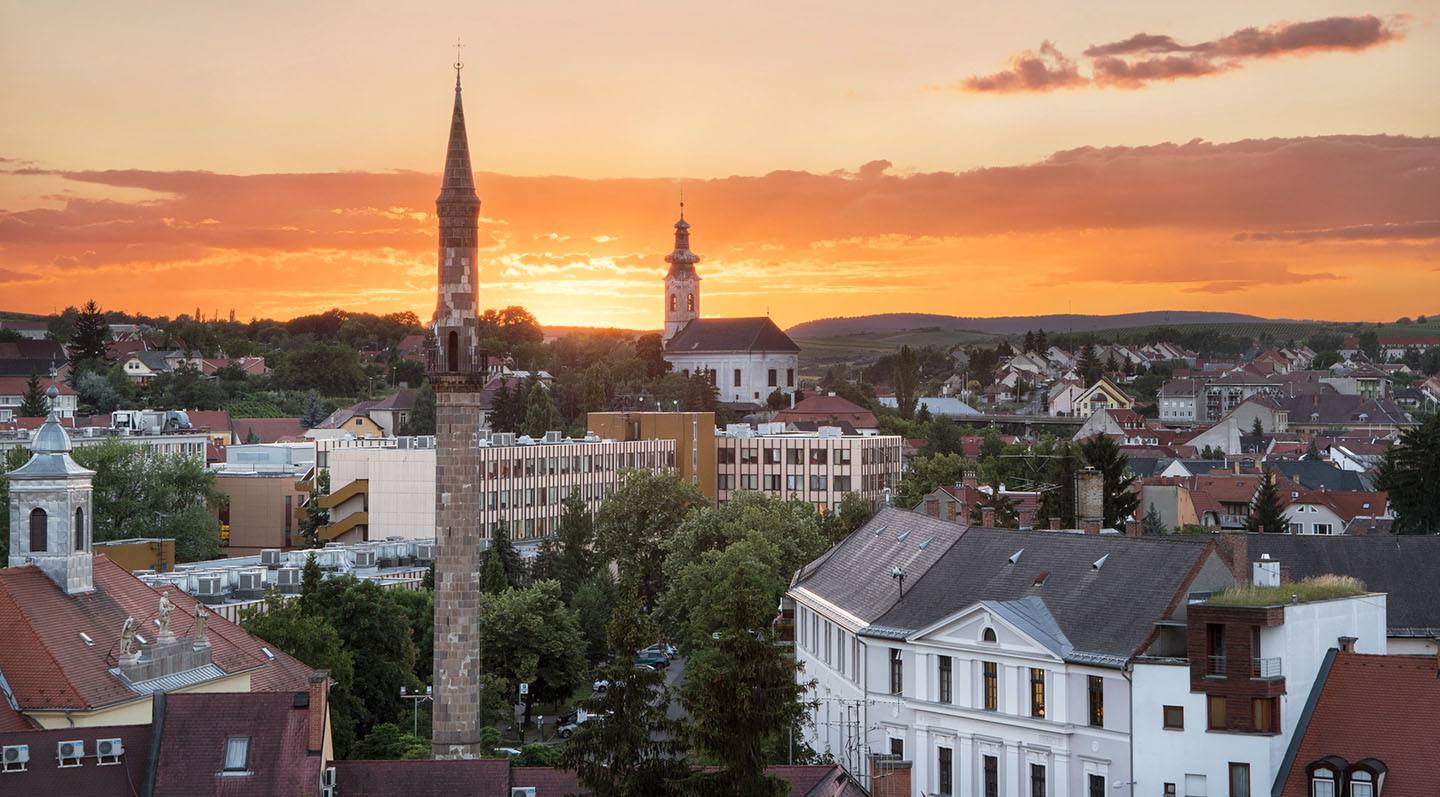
pixel 51 509
pixel 682 284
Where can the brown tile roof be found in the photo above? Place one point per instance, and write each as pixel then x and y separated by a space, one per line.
pixel 1371 707
pixel 483 777
pixel 17 385
pixel 194 728
pixel 213 420
pixel 1346 505
pixel 828 408
pixel 48 665
pixel 269 430
pixel 731 334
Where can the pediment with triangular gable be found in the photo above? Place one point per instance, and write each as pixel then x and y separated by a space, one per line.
pixel 1019 627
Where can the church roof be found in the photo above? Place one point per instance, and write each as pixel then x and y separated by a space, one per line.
pixel 730 334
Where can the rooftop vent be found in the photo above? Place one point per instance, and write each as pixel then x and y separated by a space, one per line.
pixel 926 544
pixel 1015 557
pixel 84 637
pixel 902 536
pixel 268 654
pixel 1099 563
pixel 879 531
pixel 1040 579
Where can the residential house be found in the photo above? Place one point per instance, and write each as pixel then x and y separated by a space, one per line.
pixel 830 409
pixel 1104 394
pixel 1319 413
pixel 29 330
pixel 1179 400
pixel 968 503
pixel 25 357
pixel 1359 455
pixel 1063 397
pixel 1330 512
pixel 14 388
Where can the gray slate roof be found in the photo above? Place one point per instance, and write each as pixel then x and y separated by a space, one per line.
pixel 731 334
pixel 1406 567
pixel 1321 475
pixel 1106 614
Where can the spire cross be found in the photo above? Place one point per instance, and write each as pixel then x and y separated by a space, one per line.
pixel 682 203
pixel 459 65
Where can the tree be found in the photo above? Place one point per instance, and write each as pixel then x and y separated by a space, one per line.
pixel 927 474
pixel 1152 522
pixel 652 355
pixel 375 630
pixel 741 691
pixel 422 415
pixel 316 517
pixel 1267 514
pixel 495 581
pixel 329 369
pixel 419 608
pixel 541 415
pixel 310 577
pixel 1029 345
pixel 313 413
pixel 854 512
pixel 92 335
pixel 575 537
pixel 386 742
pixel 1257 429
pixel 528 636
pixel 634 523
pixel 309 638
pixel 1212 452
pixel 907 377
pixel 1102 453
pixel 1001 504
pixel 1088 365
pixel 635 751
pixel 505 553
pixel 1411 476
pixel 592 601
pixel 777 400
pixel 1312 453
pixel 507 408
pixel 34 404
pixel 1059 498
pixel 1369 344
pixel 139 492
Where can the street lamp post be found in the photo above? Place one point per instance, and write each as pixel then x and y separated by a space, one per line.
pixel 416 698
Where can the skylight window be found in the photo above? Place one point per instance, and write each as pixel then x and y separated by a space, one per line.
pixel 237 753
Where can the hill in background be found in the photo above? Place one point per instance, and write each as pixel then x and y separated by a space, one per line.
pixel 892 323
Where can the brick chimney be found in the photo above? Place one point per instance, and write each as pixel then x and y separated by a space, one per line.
pixel 1054 524
pixel 889 776
pixel 319 710
pixel 1347 644
pixel 1132 528
pixel 1091 525
pixel 1027 518
pixel 987 517
pixel 1234 548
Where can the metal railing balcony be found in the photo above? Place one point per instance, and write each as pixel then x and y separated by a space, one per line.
pixel 1266 668
pixel 1215 665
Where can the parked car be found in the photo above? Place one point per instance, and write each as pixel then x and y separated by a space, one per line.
pixel 600 686
pixel 659 649
pixel 653 660
pixel 569 723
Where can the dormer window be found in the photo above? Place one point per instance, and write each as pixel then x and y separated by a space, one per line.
pixel 1362 784
pixel 237 755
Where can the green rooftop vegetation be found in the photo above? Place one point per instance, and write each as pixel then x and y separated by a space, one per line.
pixel 1317 588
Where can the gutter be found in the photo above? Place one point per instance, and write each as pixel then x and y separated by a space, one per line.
pixel 152 756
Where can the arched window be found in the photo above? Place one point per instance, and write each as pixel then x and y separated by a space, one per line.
pixel 1362 784
pixel 690 302
pixel 79 528
pixel 673 303
pixel 1322 782
pixel 452 352
pixel 988 636
pixel 38 530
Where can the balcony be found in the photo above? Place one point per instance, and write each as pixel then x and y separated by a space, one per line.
pixel 1215 666
pixel 1266 668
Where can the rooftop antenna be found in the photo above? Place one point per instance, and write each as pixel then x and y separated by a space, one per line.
pixel 899 575
pixel 459 65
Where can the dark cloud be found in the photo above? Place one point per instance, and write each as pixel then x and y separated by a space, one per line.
pixel 1144 58
pixel 1420 230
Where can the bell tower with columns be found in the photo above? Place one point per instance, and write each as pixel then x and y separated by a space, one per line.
pixel 682 284
pixel 51 509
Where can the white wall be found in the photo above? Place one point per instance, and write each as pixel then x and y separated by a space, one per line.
pixel 754 371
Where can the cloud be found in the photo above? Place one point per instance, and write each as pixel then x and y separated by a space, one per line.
pixel 1421 230
pixel 1145 58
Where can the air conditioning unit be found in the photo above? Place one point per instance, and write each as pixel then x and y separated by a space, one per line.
pixel 364 559
pixel 271 558
pixel 522 791
pixel 327 782
pixel 552 436
pixel 425 551
pixel 209 587
pixel 70 753
pixel 288 579
pixel 14 757
pixel 252 581
pixel 108 751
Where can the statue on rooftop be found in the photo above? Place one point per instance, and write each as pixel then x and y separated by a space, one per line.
pixel 127 638
pixel 162 618
pixel 201 618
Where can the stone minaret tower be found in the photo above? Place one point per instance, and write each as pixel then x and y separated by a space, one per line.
pixel 457 372
pixel 682 284
pixel 51 509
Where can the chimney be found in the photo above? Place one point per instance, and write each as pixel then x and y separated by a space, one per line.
pixel 970 479
pixel 889 776
pixel 319 710
pixel 1027 518
pixel 1089 496
pixel 1091 525
pixel 1054 524
pixel 987 517
pixel 1347 644
pixel 1132 528
pixel 1234 549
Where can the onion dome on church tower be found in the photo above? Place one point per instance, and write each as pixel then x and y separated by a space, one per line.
pixel 682 261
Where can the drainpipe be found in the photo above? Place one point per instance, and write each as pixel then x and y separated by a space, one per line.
pixel 1125 673
pixel 864 746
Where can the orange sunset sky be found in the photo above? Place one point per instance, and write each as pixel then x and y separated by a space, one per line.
pixel 837 158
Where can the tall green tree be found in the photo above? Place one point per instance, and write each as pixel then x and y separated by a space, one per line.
pixel 635 751
pixel 1411 476
pixel 741 692
pixel 1102 453
pixel 541 414
pixel 422 415
pixel 1152 524
pixel 636 520
pixel 907 379
pixel 34 404
pixel 92 335
pixel 927 474
pixel 313 413
pixel 506 555
pixel 854 512
pixel 1087 365
pixel 315 516
pixel 1267 514
pixel 592 601
pixel 139 492
pixel 528 636
pixel 576 539
pixel 651 353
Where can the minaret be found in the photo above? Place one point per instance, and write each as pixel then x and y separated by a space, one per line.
pixel 51 509
pixel 457 373
pixel 682 284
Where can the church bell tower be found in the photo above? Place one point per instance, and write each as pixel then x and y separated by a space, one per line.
pixel 682 284
pixel 456 370
pixel 51 509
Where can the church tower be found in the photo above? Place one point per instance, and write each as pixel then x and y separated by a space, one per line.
pixel 51 509
pixel 682 284
pixel 456 370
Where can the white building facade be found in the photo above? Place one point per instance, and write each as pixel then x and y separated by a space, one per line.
pixel 816 467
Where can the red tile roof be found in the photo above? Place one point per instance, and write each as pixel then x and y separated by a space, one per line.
pixel 214 420
pixel 483 777
pixel 828 408
pixel 1347 505
pixel 1381 707
pixel 269 430
pixel 192 745
pixel 48 665
pixel 17 385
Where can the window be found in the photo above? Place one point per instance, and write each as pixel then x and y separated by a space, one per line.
pixel 1037 693
pixel 1174 718
pixel 794 482
pixel 842 484
pixel 725 456
pixel 945 770
pixel 789 377
pixel 1322 782
pixel 79 528
pixel 819 456
pixel 772 456
pixel 38 530
pixel 1362 783
pixel 1262 715
pixel 770 377
pixel 690 302
pixel 992 776
pixel 897 672
pixel 1322 528
pixel 1239 780
pixel 842 456
pixel 992 686
pixel 725 481
pixel 988 635
pixel 817 482
pixel 1215 712
pixel 1037 780
pixel 772 482
pixel 794 456
pixel 237 753
pixel 945 672
pixel 749 456
pixel 1097 786
pixel 673 303
pixel 1097 701
pixel 1214 649
pixel 737 377
pixel 897 747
